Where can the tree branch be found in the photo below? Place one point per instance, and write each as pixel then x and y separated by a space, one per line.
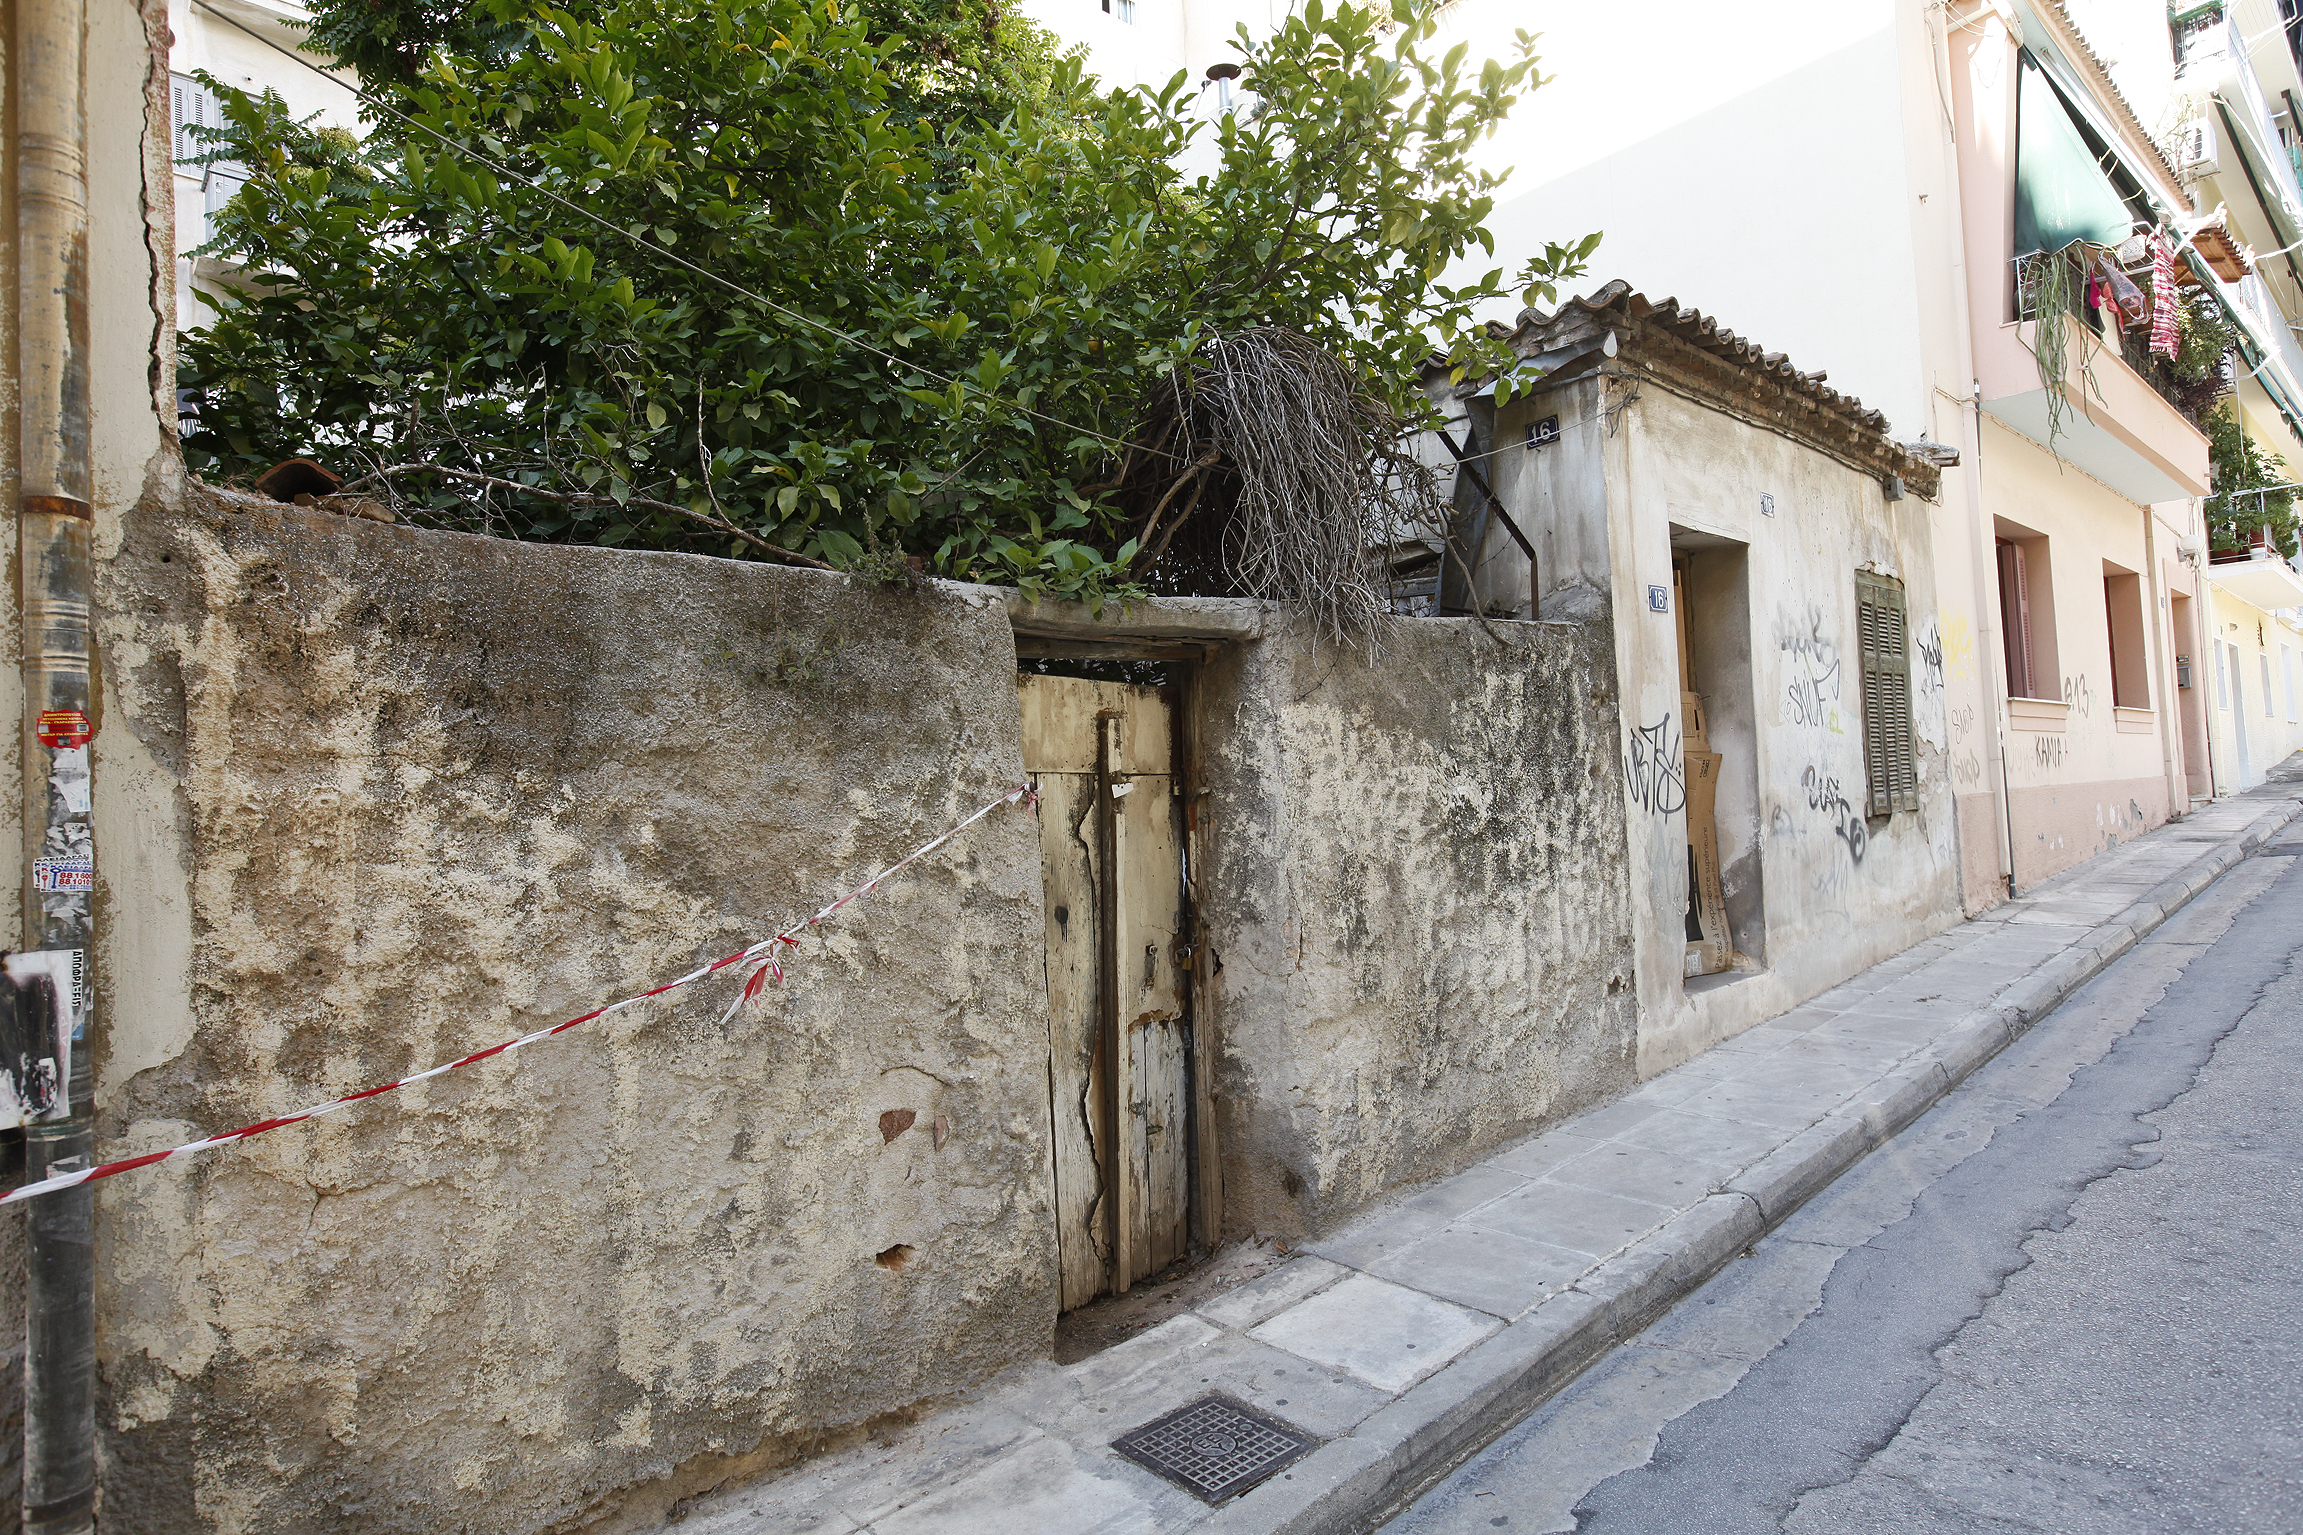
pixel 590 498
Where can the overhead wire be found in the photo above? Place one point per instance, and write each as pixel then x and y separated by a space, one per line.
pixel 651 248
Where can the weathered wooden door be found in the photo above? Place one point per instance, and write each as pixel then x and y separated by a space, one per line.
pixel 1111 843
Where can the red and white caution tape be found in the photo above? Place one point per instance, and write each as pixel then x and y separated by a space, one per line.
pixel 763 957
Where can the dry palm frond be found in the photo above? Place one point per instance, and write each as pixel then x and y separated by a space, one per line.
pixel 1309 476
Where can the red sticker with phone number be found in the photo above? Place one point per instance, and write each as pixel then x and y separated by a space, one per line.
pixel 60 728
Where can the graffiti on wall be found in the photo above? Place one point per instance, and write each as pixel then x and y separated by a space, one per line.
pixel 1811 695
pixel 1957 638
pixel 1966 761
pixel 2078 696
pixel 1927 682
pixel 2047 751
pixel 1825 796
pixel 1655 768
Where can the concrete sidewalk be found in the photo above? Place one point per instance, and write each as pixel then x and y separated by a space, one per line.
pixel 1415 1335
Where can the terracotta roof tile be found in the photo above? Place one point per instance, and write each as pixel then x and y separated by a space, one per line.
pixel 1584 318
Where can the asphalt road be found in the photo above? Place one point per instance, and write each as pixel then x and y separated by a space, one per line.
pixel 2067 1299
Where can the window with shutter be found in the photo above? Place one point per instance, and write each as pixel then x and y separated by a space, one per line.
pixel 1885 650
pixel 195 107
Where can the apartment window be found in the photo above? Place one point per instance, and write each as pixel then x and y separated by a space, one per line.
pixel 2123 614
pixel 194 106
pixel 1885 649
pixel 1123 10
pixel 2026 613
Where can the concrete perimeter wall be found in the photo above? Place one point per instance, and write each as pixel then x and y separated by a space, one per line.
pixel 371 797
pixel 1414 888
pixel 431 791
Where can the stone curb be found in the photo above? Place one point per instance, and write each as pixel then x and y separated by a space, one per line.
pixel 1354 1484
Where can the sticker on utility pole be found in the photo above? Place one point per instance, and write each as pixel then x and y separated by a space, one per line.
pixel 61 728
pixel 43 1001
pixel 68 776
pixel 52 874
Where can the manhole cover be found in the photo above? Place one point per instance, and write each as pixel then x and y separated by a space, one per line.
pixel 1215 1448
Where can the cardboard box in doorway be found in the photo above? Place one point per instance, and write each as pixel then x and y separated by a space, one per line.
pixel 1707 902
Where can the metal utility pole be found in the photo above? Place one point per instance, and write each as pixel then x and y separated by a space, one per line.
pixel 54 517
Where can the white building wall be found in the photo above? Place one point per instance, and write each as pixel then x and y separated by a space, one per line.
pixel 2256 706
pixel 218 45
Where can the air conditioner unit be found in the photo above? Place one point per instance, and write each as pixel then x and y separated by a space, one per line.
pixel 2195 149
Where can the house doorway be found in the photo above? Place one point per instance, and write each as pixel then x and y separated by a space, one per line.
pixel 1726 922
pixel 1104 753
pixel 2190 695
pixel 2235 690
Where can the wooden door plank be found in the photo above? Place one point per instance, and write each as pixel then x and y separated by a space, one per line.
pixel 1072 861
pixel 1119 1152
pixel 1123 1166
pixel 1060 716
pixel 1151 1006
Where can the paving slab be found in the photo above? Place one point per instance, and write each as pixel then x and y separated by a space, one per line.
pixel 1386 1334
pixel 1564 1215
pixel 1489 1271
pixel 1704 1138
pixel 1415 1333
pixel 1534 1158
pixel 1042 1486
pixel 1250 1303
pixel 1637 1172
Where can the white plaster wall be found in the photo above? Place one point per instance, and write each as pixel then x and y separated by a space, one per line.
pixel 1753 166
pixel 124 87
pixel 202 40
pixel 2090 786
pixel 1840 892
pixel 2243 637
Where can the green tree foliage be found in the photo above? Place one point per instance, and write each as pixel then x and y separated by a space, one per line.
pixel 2240 469
pixel 876 321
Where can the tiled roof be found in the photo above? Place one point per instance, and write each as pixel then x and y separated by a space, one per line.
pixel 1663 341
pixel 1615 306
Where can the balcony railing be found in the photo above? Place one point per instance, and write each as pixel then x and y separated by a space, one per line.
pixel 2190 399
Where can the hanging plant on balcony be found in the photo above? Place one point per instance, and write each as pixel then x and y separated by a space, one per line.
pixel 2052 284
pixel 2252 491
pixel 2205 338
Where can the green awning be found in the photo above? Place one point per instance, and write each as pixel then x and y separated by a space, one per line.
pixel 2061 192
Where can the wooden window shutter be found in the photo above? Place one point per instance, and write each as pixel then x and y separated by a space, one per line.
pixel 1889 761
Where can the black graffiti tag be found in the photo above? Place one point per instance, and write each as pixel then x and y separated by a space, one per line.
pixel 1824 794
pixel 1655 769
pixel 1810 694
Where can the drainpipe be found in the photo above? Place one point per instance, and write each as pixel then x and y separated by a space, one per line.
pixel 1990 657
pixel 53 527
pixel 2170 716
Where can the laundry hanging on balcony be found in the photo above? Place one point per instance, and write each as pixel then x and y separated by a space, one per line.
pixel 2164 339
pixel 2109 290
